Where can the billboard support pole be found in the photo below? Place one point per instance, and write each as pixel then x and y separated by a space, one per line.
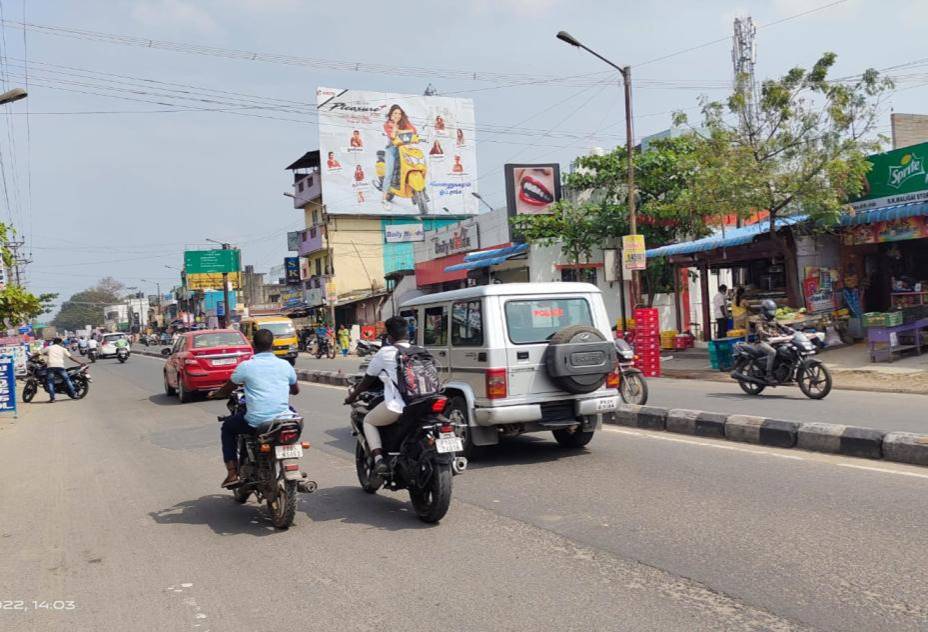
pixel 225 294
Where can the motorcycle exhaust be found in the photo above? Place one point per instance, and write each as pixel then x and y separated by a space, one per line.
pixel 306 487
pixel 459 464
pixel 741 377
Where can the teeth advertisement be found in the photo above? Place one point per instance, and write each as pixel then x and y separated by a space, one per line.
pixel 532 189
pixel 396 154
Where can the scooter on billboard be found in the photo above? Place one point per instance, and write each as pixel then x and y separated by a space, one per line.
pixel 408 177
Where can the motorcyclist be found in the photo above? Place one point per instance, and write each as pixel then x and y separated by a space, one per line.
pixel 121 343
pixel 383 368
pixel 55 355
pixel 767 330
pixel 268 382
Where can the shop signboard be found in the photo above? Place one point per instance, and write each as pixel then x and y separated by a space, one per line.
pixel 212 281
pixel 818 289
pixel 331 294
pixel 634 256
pixel 456 238
pixel 304 269
pixel 402 233
pixel 18 351
pixel 427 141
pixel 292 270
pixel 291 297
pixel 896 177
pixel 211 261
pixel 883 232
pixel 314 296
pixel 7 384
pixel 294 238
pixel 532 189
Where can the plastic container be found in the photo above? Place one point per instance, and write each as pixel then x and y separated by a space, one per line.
pixel 721 353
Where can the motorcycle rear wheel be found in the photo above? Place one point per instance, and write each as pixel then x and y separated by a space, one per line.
pixel 633 389
pixel 432 502
pixel 29 391
pixel 283 508
pixel 81 388
pixel 751 388
pixel 814 380
pixel 366 478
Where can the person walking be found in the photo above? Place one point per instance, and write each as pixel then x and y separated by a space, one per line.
pixel 720 312
pixel 344 340
pixel 55 355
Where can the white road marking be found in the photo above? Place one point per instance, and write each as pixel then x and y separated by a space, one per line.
pixel 335 386
pixel 881 469
pixel 708 444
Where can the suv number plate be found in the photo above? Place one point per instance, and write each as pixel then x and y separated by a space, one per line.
pixel 449 444
pixel 294 451
pixel 605 404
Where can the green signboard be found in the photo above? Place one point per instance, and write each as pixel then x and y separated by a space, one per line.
pixel 211 261
pixel 897 177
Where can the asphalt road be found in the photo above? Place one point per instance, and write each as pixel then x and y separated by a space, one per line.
pixel 113 503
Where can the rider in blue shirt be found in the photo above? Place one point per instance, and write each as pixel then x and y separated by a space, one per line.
pixel 268 382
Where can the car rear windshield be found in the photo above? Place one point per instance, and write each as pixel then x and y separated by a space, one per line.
pixel 225 339
pixel 533 321
pixel 279 329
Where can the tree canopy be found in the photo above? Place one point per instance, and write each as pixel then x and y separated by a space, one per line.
pixel 18 306
pixel 86 307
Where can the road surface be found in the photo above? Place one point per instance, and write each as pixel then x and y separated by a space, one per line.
pixel 112 503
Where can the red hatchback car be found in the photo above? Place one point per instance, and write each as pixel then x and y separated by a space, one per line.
pixel 203 360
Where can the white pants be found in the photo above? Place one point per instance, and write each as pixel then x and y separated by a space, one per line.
pixel 379 415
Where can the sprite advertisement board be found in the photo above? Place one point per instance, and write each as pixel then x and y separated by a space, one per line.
pixel 897 177
pixel 211 261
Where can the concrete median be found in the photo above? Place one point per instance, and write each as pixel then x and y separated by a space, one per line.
pixel 906 447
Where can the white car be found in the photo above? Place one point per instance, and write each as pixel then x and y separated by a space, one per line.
pixel 521 357
pixel 108 344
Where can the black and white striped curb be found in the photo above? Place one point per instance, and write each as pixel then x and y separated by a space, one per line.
pixel 901 447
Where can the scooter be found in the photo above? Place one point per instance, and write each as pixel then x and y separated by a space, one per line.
pixel 409 176
pixel 122 354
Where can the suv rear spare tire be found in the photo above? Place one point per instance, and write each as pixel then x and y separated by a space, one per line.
pixel 579 358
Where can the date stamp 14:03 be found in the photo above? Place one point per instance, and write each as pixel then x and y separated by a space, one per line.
pixel 26 605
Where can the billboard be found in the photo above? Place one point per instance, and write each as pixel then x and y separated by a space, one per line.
pixel 212 281
pixel 896 177
pixel 450 240
pixel 532 189
pixel 211 261
pixel 292 270
pixel 294 238
pixel 426 143
pixel 400 233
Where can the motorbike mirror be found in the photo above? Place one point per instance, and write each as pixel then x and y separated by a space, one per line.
pixel 166 351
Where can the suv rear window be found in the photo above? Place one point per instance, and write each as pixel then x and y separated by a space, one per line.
pixel 225 339
pixel 533 321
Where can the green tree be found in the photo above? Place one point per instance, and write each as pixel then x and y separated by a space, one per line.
pixel 801 149
pixel 571 225
pixel 86 307
pixel 18 306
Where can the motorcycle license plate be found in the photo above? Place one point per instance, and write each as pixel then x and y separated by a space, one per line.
pixel 224 362
pixel 449 444
pixel 605 404
pixel 294 451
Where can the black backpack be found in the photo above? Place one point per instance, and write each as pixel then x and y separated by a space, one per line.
pixel 416 373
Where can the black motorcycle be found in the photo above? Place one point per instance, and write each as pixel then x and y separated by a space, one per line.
pixel 632 387
pixel 793 363
pixel 325 347
pixel 420 450
pixel 268 464
pixel 122 354
pixel 37 374
pixel 92 354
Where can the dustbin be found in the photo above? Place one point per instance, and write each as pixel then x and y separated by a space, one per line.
pixel 721 352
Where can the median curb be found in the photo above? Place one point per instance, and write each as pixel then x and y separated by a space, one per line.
pixel 855 441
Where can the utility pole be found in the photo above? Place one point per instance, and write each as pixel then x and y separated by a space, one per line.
pixel 225 293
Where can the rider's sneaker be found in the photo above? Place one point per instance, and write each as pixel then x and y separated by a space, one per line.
pixel 381 469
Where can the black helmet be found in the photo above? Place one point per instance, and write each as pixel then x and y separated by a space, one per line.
pixel 768 308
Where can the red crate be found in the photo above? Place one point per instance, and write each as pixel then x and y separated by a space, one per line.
pixel 645 313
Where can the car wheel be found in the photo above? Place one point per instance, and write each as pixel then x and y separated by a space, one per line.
pixel 168 389
pixel 183 394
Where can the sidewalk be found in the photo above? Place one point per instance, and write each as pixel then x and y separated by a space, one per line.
pixel 850 368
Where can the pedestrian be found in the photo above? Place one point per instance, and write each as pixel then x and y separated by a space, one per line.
pixel 720 311
pixel 739 309
pixel 344 340
pixel 55 355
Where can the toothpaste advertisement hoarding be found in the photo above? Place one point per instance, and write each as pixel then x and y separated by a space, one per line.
pixel 395 154
pixel 532 189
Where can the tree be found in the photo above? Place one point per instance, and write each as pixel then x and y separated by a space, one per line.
pixel 569 224
pixel 801 149
pixel 86 307
pixel 17 306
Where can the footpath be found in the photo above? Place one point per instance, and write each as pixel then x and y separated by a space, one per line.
pixel 850 368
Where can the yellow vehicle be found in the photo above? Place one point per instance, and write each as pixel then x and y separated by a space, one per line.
pixel 286 344
pixel 411 167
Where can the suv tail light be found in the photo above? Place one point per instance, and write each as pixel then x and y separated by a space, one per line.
pixel 289 436
pixel 612 380
pixel 496 383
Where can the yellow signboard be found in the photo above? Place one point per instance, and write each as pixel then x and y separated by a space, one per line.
pixel 634 256
pixel 330 293
pixel 212 281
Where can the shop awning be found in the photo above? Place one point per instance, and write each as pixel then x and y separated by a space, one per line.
pixel 488 258
pixel 886 214
pixel 727 239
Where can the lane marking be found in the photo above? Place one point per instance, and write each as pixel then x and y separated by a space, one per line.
pixel 335 386
pixel 708 444
pixel 884 470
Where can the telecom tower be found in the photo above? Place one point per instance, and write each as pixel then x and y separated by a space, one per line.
pixel 743 57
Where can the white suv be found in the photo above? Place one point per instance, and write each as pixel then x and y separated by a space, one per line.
pixel 521 357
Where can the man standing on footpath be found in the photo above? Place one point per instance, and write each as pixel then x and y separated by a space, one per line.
pixel 720 312
pixel 55 356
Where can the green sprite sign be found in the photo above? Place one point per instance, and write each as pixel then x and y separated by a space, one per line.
pixel 211 261
pixel 897 177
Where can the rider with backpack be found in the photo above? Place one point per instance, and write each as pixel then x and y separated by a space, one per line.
pixel 419 379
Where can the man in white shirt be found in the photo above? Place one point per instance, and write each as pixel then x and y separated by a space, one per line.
pixel 383 368
pixel 720 311
pixel 55 356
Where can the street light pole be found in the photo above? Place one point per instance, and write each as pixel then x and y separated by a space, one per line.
pixel 626 72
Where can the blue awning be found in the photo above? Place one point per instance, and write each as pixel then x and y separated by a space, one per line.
pixel 886 214
pixel 731 237
pixel 508 251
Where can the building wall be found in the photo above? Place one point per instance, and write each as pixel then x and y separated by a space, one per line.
pixel 356 244
pixel 909 129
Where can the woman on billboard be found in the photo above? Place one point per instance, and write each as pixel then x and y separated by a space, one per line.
pixel 396 127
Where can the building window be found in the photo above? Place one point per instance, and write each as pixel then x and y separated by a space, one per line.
pixel 315 218
pixel 312 232
pixel 318 267
pixel 435 333
pixel 582 275
pixel 466 324
pixel 300 186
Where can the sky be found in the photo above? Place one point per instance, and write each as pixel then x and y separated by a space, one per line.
pixel 104 186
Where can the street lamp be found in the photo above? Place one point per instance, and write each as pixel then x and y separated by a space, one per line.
pixel 480 197
pixel 626 72
pixel 13 95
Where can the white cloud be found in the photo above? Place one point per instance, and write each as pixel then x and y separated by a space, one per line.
pixel 175 13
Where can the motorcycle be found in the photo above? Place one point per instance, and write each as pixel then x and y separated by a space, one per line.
pixel 92 354
pixel 632 387
pixel 325 347
pixel 37 372
pixel 793 363
pixel 368 347
pixel 82 347
pixel 421 450
pixel 268 464
pixel 409 175
pixel 122 354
